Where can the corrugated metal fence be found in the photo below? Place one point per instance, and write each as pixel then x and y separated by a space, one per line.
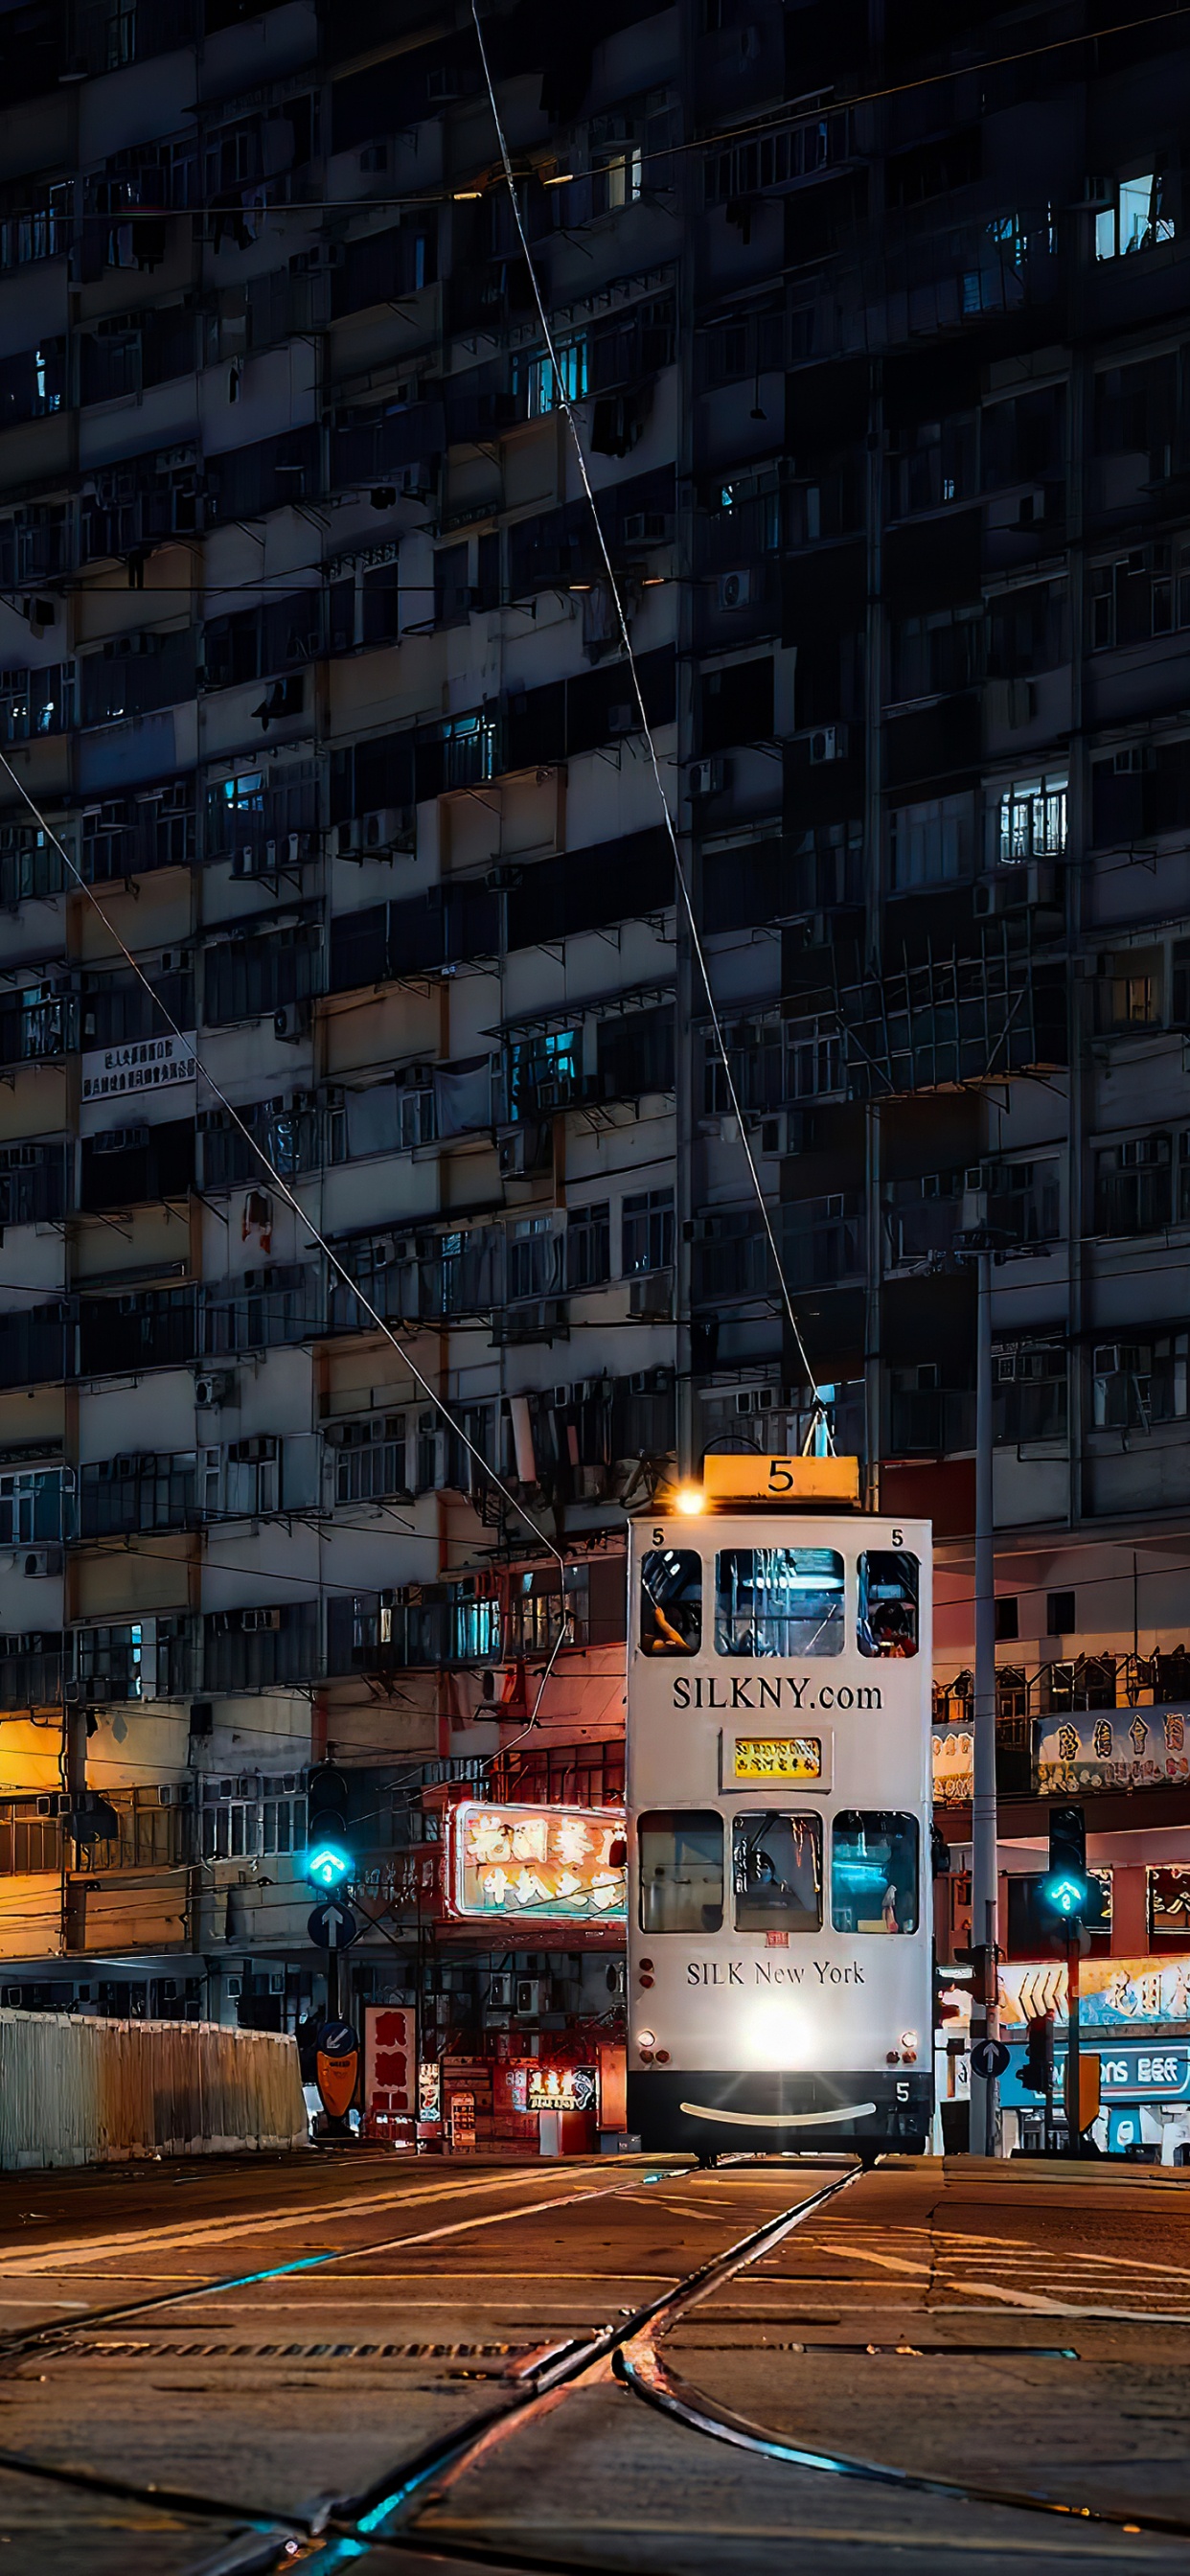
pixel 80 2092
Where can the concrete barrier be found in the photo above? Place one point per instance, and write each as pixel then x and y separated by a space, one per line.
pixel 82 2092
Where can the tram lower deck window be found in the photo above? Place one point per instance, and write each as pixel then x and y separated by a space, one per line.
pixel 887 1614
pixel 671 1601
pixel 874 1871
pixel 778 1601
pixel 680 1851
pixel 776 1868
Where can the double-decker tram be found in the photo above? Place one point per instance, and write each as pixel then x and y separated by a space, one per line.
pixel 779 1807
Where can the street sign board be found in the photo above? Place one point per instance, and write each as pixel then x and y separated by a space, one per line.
pixel 989 2057
pixel 332 1925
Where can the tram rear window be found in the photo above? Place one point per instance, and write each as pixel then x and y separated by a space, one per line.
pixel 680 1853
pixel 887 1615
pixel 874 1871
pixel 671 1601
pixel 776 1868
pixel 779 1601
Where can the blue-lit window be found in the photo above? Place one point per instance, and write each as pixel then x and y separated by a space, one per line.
pixel 874 1871
pixel 1137 219
pixel 548 387
pixel 779 1601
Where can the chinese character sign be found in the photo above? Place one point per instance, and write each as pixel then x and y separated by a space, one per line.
pixel 1116 1994
pixel 390 2062
pixel 1124 1748
pixel 561 2088
pixel 552 1862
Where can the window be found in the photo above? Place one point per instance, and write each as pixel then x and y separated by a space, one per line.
pixel 776 1872
pixel 534 1254
pixel 931 842
pixel 874 1871
pixel 1137 1384
pixel 1169 1904
pixel 1029 1396
pixel 671 1601
pixel 1136 219
pixel 1032 821
pixel 647 1232
pixel 681 1870
pixel 546 388
pixel 1007 1617
pixel 1060 1614
pixel 589 1246
pixel 779 1601
pixel 886 1621
pixel 1134 1185
pixel 370 1458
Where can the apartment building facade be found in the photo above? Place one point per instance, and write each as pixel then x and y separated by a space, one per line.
pixel 873 322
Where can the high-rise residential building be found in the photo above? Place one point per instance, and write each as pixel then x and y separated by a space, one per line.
pixel 873 322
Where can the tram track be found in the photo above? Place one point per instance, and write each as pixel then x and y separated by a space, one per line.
pixel 332 2531
pixel 386 2517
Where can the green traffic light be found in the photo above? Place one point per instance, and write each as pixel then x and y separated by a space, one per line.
pixel 1066 1895
pixel 328 1865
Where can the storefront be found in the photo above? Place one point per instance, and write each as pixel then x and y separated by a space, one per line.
pixel 1135 2018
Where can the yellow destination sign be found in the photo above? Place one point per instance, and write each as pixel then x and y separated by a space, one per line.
pixel 777 1757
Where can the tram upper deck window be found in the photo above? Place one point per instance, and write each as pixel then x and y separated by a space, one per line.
pixel 874 1871
pixel 779 1601
pixel 886 1620
pixel 680 1852
pixel 671 1601
pixel 777 1872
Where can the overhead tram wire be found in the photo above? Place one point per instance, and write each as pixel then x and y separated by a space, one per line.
pixel 281 1185
pixel 566 406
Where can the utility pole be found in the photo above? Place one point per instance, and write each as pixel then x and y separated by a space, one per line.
pixel 980 1244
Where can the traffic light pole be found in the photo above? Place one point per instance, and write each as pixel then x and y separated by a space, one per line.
pixel 985 2122
pixel 1073 2083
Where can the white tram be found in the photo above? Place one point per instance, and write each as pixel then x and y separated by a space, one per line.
pixel 779 1805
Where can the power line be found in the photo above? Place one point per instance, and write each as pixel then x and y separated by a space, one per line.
pixel 566 406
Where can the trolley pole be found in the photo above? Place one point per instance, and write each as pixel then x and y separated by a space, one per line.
pixel 984 2132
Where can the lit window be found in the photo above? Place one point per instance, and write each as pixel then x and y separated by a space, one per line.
pixel 779 1601
pixel 671 1601
pixel 1135 220
pixel 874 1872
pixel 1032 820
pixel 548 387
pixel 680 1856
pixel 777 1872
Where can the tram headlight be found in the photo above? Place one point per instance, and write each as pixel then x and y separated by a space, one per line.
pixel 689 1499
pixel 774 2031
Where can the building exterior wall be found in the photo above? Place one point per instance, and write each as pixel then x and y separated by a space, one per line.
pixel 311 663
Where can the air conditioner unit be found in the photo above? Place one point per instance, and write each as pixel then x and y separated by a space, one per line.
pixel 829 742
pixel 500 1993
pixel 647 528
pixel 709 777
pixel 292 1023
pixel 527 1997
pixel 40 1561
pixel 389 827
pixel 735 590
pixel 520 1153
pixel 213 1387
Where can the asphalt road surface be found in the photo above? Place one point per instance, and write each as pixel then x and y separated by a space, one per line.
pixel 360 2360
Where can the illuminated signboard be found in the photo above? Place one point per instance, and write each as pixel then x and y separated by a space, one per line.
pixel 1116 1994
pixel 777 1757
pixel 561 2088
pixel 553 1863
pixel 429 2089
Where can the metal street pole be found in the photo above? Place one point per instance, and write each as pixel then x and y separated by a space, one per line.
pixel 984 2132
pixel 1073 2079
